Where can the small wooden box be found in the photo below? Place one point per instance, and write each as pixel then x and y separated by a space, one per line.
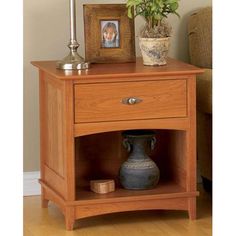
pixel 102 185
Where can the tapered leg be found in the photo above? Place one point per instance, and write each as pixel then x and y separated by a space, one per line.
pixel 69 218
pixel 192 208
pixel 44 201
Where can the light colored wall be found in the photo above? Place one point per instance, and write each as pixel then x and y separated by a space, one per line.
pixel 46 34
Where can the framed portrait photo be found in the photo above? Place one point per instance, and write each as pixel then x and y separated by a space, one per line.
pixel 109 33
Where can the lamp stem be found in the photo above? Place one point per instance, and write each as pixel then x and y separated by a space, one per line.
pixel 72 21
pixel 73 44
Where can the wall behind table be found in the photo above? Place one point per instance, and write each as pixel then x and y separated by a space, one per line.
pixel 46 34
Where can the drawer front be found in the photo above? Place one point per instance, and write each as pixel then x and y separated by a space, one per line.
pixel 130 100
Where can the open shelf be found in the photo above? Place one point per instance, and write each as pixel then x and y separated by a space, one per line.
pixel 162 190
pixel 104 162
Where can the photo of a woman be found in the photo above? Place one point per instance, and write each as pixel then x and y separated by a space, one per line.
pixel 110 34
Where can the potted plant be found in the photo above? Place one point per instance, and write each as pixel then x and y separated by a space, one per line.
pixel 154 39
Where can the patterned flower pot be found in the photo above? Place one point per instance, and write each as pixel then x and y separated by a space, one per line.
pixel 154 50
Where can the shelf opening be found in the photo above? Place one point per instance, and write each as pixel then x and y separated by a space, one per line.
pixel 99 156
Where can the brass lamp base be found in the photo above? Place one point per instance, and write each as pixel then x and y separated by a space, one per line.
pixel 73 62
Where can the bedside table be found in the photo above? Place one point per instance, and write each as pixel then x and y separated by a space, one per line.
pixel 82 115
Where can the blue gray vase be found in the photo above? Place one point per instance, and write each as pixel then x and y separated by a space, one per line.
pixel 139 171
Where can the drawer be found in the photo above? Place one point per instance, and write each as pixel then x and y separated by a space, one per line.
pixel 130 100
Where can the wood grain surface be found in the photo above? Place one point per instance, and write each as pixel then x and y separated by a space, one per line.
pixel 104 102
pixel 81 120
pixel 120 71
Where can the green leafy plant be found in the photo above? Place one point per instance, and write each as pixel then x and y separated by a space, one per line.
pixel 154 12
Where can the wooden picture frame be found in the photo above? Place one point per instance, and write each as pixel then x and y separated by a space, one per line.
pixel 109 34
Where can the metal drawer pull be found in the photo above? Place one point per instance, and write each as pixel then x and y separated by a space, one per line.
pixel 131 101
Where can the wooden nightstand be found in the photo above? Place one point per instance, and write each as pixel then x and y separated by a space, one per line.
pixel 81 119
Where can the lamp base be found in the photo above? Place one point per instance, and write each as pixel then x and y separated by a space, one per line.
pixel 73 62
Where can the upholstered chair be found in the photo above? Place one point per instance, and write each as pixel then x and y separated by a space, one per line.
pixel 200 52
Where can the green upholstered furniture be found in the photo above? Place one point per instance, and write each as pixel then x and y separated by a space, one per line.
pixel 200 51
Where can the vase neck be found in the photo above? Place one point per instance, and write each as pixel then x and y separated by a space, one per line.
pixel 139 147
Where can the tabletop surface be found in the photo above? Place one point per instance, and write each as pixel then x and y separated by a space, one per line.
pixel 119 70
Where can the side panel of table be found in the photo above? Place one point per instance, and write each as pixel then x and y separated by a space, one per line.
pixel 56 138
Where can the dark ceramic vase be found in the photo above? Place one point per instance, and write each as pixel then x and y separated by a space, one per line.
pixel 139 171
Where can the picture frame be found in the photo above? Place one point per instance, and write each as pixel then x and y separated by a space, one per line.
pixel 109 34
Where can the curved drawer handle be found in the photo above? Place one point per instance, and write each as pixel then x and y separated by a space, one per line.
pixel 131 100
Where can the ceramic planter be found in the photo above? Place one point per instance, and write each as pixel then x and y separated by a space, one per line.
pixel 154 50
